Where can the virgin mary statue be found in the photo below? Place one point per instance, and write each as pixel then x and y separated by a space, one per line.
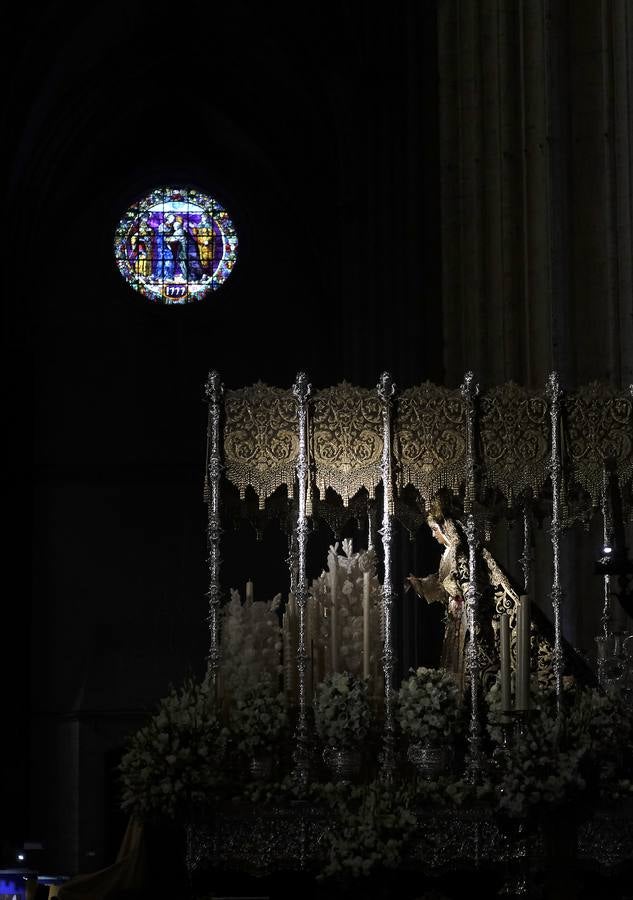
pixel 450 586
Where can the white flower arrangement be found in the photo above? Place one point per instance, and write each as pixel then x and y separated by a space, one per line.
pixel 258 717
pixel 428 706
pixel 173 764
pixel 250 643
pixel 549 766
pixel 342 713
pixel 603 723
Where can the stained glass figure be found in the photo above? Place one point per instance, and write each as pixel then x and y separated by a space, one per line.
pixel 175 246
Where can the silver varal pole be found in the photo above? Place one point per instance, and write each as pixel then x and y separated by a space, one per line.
pixel 554 394
pixel 292 561
pixel 606 608
pixel 469 392
pixel 214 391
pixel 370 524
pixel 386 390
pixel 301 391
pixel 526 558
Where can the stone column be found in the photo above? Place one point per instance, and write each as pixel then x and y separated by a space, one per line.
pixel 535 163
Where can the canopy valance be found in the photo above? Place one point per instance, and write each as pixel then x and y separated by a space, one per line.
pixel 512 445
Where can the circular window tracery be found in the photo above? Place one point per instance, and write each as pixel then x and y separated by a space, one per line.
pixel 175 245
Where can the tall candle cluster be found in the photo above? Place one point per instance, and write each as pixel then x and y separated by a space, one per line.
pixel 250 643
pixel 523 655
pixel 343 622
pixel 290 641
pixel 343 628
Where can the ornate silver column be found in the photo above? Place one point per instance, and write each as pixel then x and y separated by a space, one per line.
pixel 469 392
pixel 292 561
pixel 301 389
pixel 386 389
pixel 214 391
pixel 554 394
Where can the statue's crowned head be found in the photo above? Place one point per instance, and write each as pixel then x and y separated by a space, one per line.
pixel 442 519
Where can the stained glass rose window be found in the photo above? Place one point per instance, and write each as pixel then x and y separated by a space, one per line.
pixel 175 245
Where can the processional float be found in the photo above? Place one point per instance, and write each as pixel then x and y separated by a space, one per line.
pixel 504 452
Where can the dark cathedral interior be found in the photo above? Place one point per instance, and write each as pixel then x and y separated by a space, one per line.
pixel 422 188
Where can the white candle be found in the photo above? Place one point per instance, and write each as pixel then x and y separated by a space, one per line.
pixel 517 667
pixel 219 685
pixel 249 591
pixel 326 656
pixel 309 672
pixel 366 645
pixel 290 647
pixel 504 655
pixel 316 640
pixel 286 654
pixel 333 617
pixel 523 654
pixel 318 647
